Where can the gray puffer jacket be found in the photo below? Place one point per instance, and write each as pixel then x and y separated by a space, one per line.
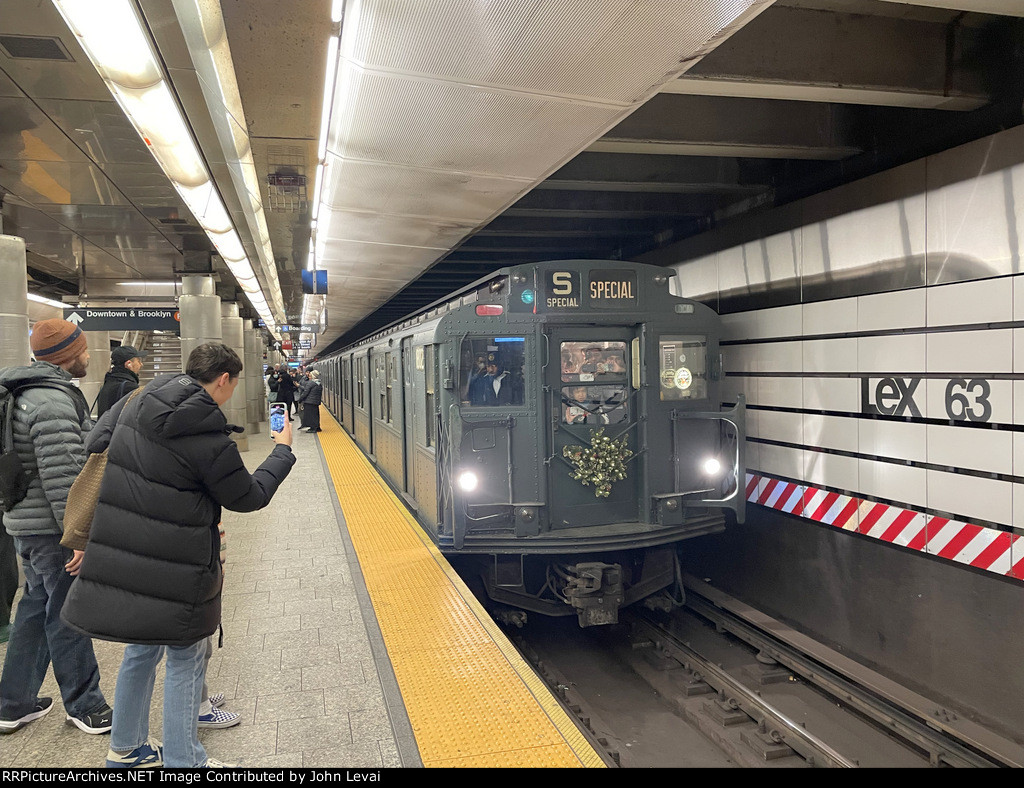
pixel 49 435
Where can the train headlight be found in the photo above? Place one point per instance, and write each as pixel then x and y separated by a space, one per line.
pixel 711 466
pixel 467 481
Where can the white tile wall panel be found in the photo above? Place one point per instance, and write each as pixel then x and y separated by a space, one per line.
pixel 839 394
pixel 831 432
pixel 830 355
pixel 1018 401
pixel 1000 398
pixel 971 353
pixel 753 458
pixel 1018 350
pixel 862 239
pixel 753 421
pixel 964 303
pixel 782 321
pixel 779 356
pixel 888 311
pixel 732 386
pixel 899 440
pixel 970 496
pixel 782 252
pixel 901 483
pixel 735 271
pixel 974 449
pixel 780 392
pixel 830 317
pixel 969 230
pixel 780 426
pixel 1018 458
pixel 1018 297
pixel 831 470
pixel 696 278
pixel 781 461
pixel 741 358
pixel 903 353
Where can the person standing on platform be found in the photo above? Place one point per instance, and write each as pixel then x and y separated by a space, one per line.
pixel 123 378
pixel 151 574
pixel 49 431
pixel 286 389
pixel 310 397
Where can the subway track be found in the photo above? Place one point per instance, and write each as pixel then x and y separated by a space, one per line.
pixel 717 683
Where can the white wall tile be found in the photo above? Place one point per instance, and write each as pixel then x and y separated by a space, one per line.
pixel 1018 297
pixel 975 449
pixel 900 483
pixel 781 461
pixel 782 321
pixel 696 278
pixel 753 458
pixel 903 353
pixel 831 470
pixel 830 317
pixel 830 432
pixel 779 357
pixel 778 425
pixel 1018 459
pixel 1000 398
pixel 898 440
pixel 740 358
pixel 971 353
pixel 839 394
pixel 887 311
pixel 970 497
pixel 830 355
pixel 982 301
pixel 780 392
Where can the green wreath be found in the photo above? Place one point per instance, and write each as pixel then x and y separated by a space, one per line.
pixel 602 463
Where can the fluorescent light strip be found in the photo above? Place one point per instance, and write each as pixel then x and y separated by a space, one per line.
pixel 329 78
pixel 48 301
pixel 118 46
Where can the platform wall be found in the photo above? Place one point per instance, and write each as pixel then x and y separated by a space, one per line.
pixel 877 332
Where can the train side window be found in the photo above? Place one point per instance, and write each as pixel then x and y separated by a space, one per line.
pixel 595 405
pixel 430 376
pixel 491 371
pixel 586 362
pixel 390 378
pixel 683 367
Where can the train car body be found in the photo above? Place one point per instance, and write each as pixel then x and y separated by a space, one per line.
pixel 557 426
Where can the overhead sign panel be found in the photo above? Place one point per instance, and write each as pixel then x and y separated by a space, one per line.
pixel 125 319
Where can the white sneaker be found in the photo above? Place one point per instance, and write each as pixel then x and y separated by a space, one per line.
pixel 213 763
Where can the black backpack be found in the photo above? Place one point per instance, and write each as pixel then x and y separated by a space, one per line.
pixel 14 479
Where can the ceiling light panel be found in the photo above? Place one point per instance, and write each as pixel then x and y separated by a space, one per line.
pixel 393 229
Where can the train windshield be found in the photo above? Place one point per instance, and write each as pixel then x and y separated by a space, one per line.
pixel 492 371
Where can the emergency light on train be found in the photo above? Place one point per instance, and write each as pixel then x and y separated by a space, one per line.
pixel 489 310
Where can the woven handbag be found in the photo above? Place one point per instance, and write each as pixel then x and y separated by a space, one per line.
pixel 84 495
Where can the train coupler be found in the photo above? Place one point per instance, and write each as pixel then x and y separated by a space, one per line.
pixel 595 591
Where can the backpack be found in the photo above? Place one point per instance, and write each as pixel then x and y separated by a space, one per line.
pixel 14 479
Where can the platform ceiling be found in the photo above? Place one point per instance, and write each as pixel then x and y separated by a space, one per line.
pixel 466 136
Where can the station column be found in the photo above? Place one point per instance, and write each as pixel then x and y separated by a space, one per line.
pixel 199 309
pixel 98 343
pixel 253 379
pixel 14 350
pixel 234 408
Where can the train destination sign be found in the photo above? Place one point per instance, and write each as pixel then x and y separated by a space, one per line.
pixel 612 289
pixel 125 319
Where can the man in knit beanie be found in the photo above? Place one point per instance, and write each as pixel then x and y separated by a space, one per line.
pixel 50 423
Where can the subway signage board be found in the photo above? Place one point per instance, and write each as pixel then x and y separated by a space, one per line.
pixel 567 291
pixel 125 319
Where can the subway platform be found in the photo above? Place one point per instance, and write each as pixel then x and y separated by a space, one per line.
pixel 348 642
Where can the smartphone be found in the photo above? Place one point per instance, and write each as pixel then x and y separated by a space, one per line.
pixel 277 416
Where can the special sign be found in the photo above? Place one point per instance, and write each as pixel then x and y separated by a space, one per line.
pixel 612 289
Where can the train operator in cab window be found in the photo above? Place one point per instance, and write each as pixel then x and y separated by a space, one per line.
pixel 497 386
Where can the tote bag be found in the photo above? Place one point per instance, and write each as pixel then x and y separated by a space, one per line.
pixel 84 495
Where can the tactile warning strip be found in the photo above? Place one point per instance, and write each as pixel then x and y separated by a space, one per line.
pixel 471 699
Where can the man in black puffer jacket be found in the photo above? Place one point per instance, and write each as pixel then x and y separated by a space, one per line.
pixel 123 378
pixel 151 575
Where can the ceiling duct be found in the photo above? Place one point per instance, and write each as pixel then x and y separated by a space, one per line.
pixel 34 48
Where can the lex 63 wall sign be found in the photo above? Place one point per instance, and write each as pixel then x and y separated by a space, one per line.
pixel 965 399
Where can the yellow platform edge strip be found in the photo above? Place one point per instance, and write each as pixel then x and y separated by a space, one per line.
pixel 564 745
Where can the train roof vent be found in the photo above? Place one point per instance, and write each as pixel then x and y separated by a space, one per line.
pixel 34 48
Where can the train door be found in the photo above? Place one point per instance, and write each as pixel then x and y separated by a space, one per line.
pixel 408 408
pixel 592 391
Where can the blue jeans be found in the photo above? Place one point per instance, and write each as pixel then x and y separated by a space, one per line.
pixel 39 636
pixel 183 691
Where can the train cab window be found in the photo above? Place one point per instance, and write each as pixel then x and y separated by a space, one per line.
pixel 587 362
pixel 595 405
pixel 683 367
pixel 430 389
pixel 491 371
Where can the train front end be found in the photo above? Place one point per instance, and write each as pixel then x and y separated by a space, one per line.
pixel 584 437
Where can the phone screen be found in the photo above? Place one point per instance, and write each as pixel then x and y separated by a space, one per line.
pixel 277 416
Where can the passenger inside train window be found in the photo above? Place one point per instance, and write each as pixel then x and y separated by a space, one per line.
pixel 594 405
pixel 493 372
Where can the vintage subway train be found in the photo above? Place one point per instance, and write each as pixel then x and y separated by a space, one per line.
pixel 556 428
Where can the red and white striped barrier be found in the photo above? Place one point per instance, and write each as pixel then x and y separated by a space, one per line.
pixel 983 548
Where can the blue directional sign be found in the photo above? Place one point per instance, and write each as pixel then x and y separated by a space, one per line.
pixel 125 318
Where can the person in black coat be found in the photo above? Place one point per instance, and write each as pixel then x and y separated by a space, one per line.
pixel 286 389
pixel 150 575
pixel 310 396
pixel 123 378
